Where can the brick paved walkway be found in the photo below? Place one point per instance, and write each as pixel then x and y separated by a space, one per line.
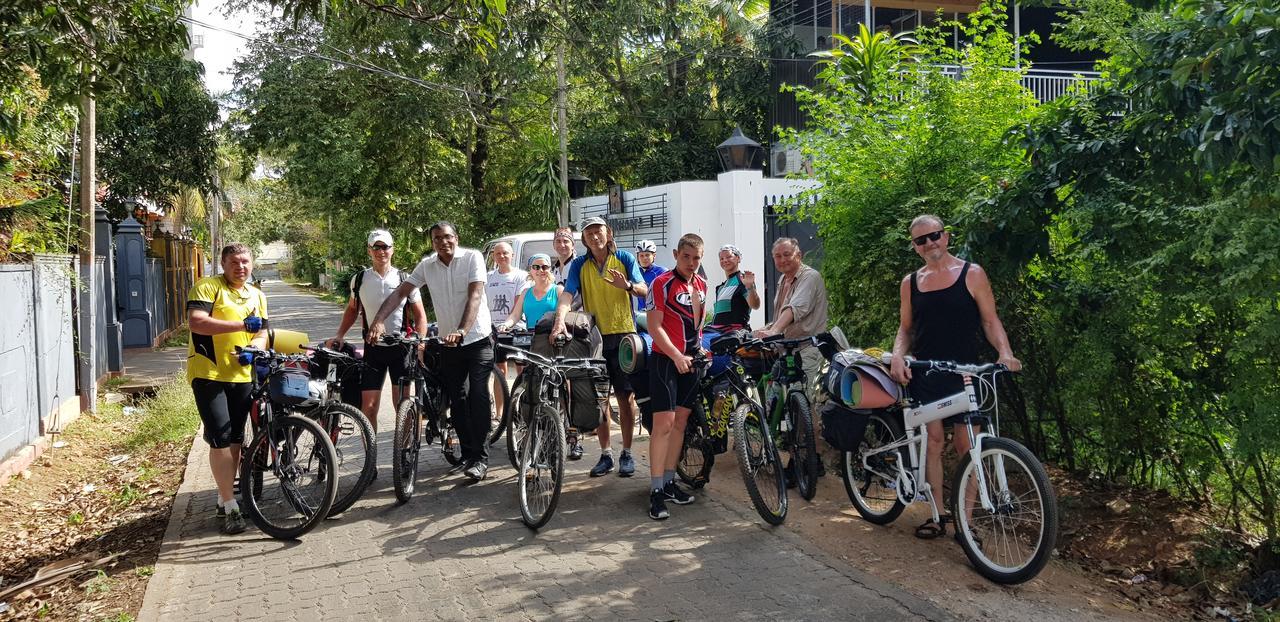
pixel 459 551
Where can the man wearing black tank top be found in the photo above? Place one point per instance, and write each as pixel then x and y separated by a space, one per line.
pixel 946 306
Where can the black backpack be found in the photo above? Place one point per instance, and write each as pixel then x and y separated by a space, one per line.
pixel 409 328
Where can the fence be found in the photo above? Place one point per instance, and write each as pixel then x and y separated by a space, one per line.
pixel 37 365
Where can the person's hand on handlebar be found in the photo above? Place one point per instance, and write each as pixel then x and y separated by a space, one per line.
pixel 334 343
pixel 898 369
pixel 557 329
pixel 684 363
pixel 455 338
pixel 504 326
pixel 376 331
pixel 1009 360
pixel 761 333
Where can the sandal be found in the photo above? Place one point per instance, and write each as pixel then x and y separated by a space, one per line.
pixel 930 529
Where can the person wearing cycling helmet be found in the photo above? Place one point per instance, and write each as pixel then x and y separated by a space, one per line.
pixel 225 311
pixel 646 250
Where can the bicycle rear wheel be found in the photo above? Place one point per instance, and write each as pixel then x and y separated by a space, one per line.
pixel 804 449
pixel 498 406
pixel 406 443
pixel 1012 543
pixel 696 457
pixel 290 465
pixel 517 419
pixel 760 465
pixel 541 470
pixel 353 441
pixel 873 488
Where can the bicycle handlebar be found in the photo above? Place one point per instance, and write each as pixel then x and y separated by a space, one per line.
pixel 411 340
pixel 948 366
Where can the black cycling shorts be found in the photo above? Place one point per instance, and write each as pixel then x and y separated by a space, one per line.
pixel 224 408
pixel 379 360
pixel 619 379
pixel 668 388
pixel 927 388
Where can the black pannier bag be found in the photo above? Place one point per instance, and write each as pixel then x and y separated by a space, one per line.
pixel 843 428
pixel 584 342
pixel 348 372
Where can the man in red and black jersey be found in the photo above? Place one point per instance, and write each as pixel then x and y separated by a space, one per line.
pixel 675 307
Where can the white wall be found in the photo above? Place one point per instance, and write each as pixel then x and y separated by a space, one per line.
pixel 727 210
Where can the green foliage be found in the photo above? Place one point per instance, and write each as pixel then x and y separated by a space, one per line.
pixel 168 417
pixel 33 210
pixel 891 140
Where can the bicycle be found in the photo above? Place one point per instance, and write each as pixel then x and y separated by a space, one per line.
pixel 353 437
pixel 790 415
pixel 522 339
pixel 1006 518
pixel 542 414
pixel 427 401
pixel 754 438
pixel 290 448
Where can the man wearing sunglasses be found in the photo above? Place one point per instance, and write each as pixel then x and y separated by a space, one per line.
pixel 946 306
pixel 369 288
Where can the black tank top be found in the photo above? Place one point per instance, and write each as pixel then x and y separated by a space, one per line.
pixel 945 323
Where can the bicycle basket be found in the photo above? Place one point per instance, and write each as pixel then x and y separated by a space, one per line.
pixel 289 387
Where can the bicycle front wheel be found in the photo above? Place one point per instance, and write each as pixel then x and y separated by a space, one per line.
pixel 871 475
pixel 353 441
pixel 760 465
pixel 541 470
pixel 498 406
pixel 696 457
pixel 290 465
pixel 804 448
pixel 406 443
pixel 1012 542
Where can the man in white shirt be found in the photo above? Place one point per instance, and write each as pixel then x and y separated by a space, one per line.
pixel 369 288
pixel 455 279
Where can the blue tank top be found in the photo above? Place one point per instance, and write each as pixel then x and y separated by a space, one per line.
pixel 534 308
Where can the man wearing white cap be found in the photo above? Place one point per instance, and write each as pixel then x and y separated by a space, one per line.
pixel 369 288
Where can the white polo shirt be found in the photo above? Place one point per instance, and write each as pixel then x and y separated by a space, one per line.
pixel 374 288
pixel 448 287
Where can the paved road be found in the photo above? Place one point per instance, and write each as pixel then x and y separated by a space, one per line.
pixel 459 551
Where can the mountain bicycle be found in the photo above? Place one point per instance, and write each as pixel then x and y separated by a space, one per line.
pixel 422 415
pixel 288 470
pixel 1002 501
pixel 754 437
pixel 541 410
pixel 789 413
pixel 353 437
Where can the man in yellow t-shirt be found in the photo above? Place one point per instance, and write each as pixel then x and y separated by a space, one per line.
pixel 607 279
pixel 223 312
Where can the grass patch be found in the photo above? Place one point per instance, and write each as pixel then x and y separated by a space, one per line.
pixel 167 417
pixel 75 518
pixel 144 571
pixel 112 384
pixel 178 339
pixel 99 584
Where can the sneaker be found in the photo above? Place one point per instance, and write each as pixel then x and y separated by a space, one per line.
pixel 221 512
pixel 675 494
pixel 234 523
pixel 461 466
pixel 626 465
pixel 658 505
pixel 477 471
pixel 575 452
pixel 603 466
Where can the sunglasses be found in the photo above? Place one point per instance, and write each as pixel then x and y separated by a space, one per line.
pixel 921 240
pixel 539 266
pixel 380 247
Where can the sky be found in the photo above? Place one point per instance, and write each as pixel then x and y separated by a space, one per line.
pixel 220 49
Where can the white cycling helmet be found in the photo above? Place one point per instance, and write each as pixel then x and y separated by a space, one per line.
pixel 646 246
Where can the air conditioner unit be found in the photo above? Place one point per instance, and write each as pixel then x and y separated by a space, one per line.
pixel 785 160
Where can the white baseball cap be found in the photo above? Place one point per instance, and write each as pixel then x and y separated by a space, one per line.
pixel 380 235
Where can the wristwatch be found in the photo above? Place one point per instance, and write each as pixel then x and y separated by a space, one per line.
pixel 631 287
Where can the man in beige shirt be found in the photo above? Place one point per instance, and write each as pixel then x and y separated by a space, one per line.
pixel 799 306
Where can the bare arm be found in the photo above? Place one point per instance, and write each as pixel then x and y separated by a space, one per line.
pixel 516 310
pixel 349 316
pixel 902 342
pixel 662 342
pixel 980 288
pixel 419 312
pixel 753 298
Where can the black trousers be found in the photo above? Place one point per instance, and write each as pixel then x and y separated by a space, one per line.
pixel 466 371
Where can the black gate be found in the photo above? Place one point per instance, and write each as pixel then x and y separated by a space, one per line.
pixel 780 222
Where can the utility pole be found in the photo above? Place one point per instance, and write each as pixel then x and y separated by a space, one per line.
pixel 563 121
pixel 88 194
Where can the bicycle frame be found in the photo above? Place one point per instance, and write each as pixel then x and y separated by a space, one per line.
pixel 784 372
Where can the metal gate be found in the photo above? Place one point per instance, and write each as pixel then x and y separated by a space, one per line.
pixel 779 222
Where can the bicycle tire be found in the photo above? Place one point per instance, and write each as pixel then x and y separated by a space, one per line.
pixel 759 463
pixel 516 424
pixel 406 445
pixel 451 447
pixel 858 482
pixel 696 457
pixel 541 471
pixel 804 447
pixel 356 449
pixel 1007 515
pixel 295 486
pixel 498 419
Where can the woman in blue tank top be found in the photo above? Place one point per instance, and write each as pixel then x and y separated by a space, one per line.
pixel 536 299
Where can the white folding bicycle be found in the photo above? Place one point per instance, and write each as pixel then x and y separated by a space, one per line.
pixel 1005 511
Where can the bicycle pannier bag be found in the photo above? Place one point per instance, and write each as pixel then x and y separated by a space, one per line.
pixel 857 380
pixel 843 429
pixel 584 408
pixel 288 387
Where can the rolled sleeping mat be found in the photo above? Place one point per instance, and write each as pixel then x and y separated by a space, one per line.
pixel 634 351
pixel 860 381
pixel 286 341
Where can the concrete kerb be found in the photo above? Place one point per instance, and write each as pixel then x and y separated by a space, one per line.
pixel 157 587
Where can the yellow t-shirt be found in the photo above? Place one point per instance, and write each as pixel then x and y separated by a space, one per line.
pixel 213 357
pixel 611 306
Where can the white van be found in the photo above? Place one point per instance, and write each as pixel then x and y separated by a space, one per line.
pixel 526 245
